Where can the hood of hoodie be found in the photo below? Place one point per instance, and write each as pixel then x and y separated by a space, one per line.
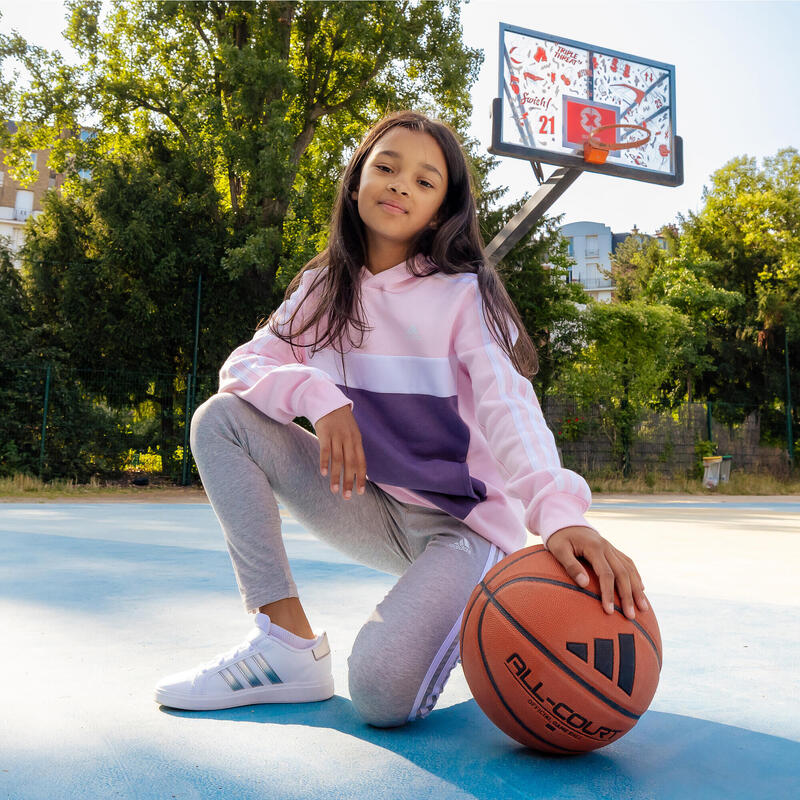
pixel 396 278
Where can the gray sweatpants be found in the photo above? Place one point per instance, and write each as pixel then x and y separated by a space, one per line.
pixel 406 650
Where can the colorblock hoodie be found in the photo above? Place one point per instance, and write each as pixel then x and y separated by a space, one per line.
pixel 446 420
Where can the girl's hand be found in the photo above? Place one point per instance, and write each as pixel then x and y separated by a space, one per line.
pixel 340 443
pixel 608 563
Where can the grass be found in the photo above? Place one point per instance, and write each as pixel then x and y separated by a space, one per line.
pixel 740 483
pixel 29 487
pixel 22 486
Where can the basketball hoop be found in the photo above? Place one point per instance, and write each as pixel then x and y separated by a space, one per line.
pixel 596 151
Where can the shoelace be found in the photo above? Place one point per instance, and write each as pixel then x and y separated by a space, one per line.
pixel 233 653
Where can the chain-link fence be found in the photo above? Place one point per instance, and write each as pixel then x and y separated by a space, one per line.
pixel 59 422
pixel 601 439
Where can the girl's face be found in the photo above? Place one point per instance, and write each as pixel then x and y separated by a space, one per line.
pixel 403 183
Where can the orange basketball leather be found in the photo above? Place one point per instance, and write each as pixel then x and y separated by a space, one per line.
pixel 547 665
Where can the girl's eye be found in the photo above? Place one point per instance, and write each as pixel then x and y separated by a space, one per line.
pixel 383 167
pixel 426 184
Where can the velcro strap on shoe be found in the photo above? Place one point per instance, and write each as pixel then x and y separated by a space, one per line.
pixel 322 649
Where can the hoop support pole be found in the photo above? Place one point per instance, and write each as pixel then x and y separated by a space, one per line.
pixel 533 210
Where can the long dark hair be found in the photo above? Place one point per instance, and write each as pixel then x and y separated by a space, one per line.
pixel 454 246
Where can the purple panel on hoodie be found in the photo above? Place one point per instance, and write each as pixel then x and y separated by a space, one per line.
pixel 418 442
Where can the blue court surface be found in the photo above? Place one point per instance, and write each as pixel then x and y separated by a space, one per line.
pixel 99 600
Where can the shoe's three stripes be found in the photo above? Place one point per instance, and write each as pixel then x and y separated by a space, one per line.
pixel 266 668
pixel 248 673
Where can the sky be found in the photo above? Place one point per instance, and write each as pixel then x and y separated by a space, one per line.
pixel 736 90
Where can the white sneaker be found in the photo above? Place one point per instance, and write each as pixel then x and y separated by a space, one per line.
pixel 263 669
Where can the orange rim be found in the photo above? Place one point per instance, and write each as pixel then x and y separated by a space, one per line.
pixel 596 152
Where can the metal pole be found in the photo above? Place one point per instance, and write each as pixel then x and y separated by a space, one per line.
pixel 708 420
pixel 522 222
pixel 789 435
pixel 196 334
pixel 185 459
pixel 191 386
pixel 44 419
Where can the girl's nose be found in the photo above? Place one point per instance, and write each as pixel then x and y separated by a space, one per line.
pixel 394 188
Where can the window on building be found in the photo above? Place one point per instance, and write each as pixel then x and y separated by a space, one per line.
pixel 23 205
pixel 85 135
pixel 2 178
pixel 33 160
pixel 592 246
pixel 570 246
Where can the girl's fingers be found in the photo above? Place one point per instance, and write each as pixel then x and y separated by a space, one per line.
pixel 637 586
pixel 596 556
pixel 336 466
pixel 361 474
pixel 623 581
pixel 564 553
pixel 605 575
pixel 350 473
pixel 355 470
pixel 324 457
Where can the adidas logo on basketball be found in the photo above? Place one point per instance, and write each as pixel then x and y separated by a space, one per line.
pixel 604 658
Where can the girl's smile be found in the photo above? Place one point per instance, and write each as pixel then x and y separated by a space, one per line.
pixel 392 207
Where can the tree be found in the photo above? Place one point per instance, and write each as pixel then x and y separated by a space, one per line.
pixel 17 432
pixel 632 349
pixel 111 273
pixel 733 272
pixel 265 96
pixel 745 241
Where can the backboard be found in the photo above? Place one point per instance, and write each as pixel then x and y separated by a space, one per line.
pixel 553 92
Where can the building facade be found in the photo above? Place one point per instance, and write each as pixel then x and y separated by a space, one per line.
pixel 590 246
pixel 17 203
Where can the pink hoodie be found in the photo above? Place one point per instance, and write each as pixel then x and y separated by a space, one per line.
pixel 446 421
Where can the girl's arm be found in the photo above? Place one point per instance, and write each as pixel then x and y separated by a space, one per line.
pixel 555 499
pixel 266 373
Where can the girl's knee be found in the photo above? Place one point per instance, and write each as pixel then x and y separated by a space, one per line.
pixel 218 406
pixel 380 696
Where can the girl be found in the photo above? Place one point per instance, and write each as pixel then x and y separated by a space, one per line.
pixel 437 442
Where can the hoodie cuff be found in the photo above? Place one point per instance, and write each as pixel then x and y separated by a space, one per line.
pixel 559 511
pixel 319 399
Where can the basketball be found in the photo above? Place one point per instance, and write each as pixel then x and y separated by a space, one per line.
pixel 547 664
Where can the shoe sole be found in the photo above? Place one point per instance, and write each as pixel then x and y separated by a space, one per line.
pixel 290 693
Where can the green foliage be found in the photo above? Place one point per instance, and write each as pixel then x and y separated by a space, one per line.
pixel 572 428
pixel 268 98
pixel 703 448
pixel 736 275
pixel 112 266
pixel 732 273
pixel 629 351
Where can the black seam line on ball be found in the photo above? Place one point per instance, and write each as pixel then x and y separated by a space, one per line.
pixel 574 588
pixel 503 700
pixel 560 664
pixel 482 583
pixel 519 558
